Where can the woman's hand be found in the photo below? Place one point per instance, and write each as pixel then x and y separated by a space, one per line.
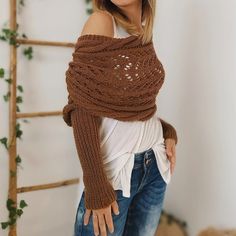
pixel 101 217
pixel 170 151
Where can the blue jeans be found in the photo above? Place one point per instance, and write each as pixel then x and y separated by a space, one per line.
pixel 140 213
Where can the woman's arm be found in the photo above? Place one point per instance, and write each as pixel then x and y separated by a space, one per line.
pixel 168 130
pixel 98 191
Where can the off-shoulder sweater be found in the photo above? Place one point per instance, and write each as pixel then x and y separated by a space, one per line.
pixel 91 97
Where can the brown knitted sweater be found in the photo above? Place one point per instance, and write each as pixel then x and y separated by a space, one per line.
pixel 112 77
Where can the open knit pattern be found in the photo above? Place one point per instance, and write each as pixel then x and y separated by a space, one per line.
pixel 115 77
pixel 110 77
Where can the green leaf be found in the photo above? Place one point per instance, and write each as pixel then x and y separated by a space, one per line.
pixel 18 130
pixel 2 72
pixel 28 52
pixel 19 212
pixel 18 159
pixel 22 2
pixel 6 31
pixel 10 35
pixel 19 99
pixel 12 212
pixel 17 108
pixel 4 225
pixel 12 221
pixel 9 81
pixel 24 36
pixel 19 133
pixel 20 88
pixel 23 204
pixel 10 204
pixel 4 142
pixel 89 11
pixel 7 96
pixel 3 38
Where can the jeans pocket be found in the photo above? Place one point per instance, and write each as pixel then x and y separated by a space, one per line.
pixel 156 173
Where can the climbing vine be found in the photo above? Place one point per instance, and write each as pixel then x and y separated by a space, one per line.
pixel 9 36
pixel 14 212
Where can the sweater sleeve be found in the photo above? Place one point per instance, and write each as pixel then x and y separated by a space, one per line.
pixel 168 130
pixel 99 193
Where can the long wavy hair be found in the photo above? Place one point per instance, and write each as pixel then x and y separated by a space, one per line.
pixel 148 14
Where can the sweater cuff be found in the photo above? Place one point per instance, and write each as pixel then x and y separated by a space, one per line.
pixel 169 131
pixel 99 196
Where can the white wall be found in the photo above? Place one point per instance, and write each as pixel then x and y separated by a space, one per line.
pixel 195 41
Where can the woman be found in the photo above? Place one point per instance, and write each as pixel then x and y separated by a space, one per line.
pixel 113 79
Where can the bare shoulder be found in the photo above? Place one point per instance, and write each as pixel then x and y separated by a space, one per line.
pixel 99 22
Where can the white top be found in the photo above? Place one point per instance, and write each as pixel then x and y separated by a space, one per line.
pixel 120 140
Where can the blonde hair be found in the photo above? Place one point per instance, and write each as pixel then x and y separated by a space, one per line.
pixel 148 14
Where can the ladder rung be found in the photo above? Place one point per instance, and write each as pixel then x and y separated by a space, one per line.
pixel 45 43
pixel 47 186
pixel 36 114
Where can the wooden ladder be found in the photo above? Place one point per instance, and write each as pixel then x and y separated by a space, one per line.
pixel 13 116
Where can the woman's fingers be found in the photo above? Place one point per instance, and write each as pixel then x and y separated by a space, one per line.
pixel 115 207
pixel 173 150
pixel 168 148
pixel 102 218
pixel 173 158
pixel 172 168
pixel 95 224
pixel 109 221
pixel 170 151
pixel 102 225
pixel 86 216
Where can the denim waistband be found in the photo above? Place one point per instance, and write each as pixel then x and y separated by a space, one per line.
pixel 139 156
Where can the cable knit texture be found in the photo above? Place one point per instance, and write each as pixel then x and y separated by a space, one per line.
pixel 110 77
